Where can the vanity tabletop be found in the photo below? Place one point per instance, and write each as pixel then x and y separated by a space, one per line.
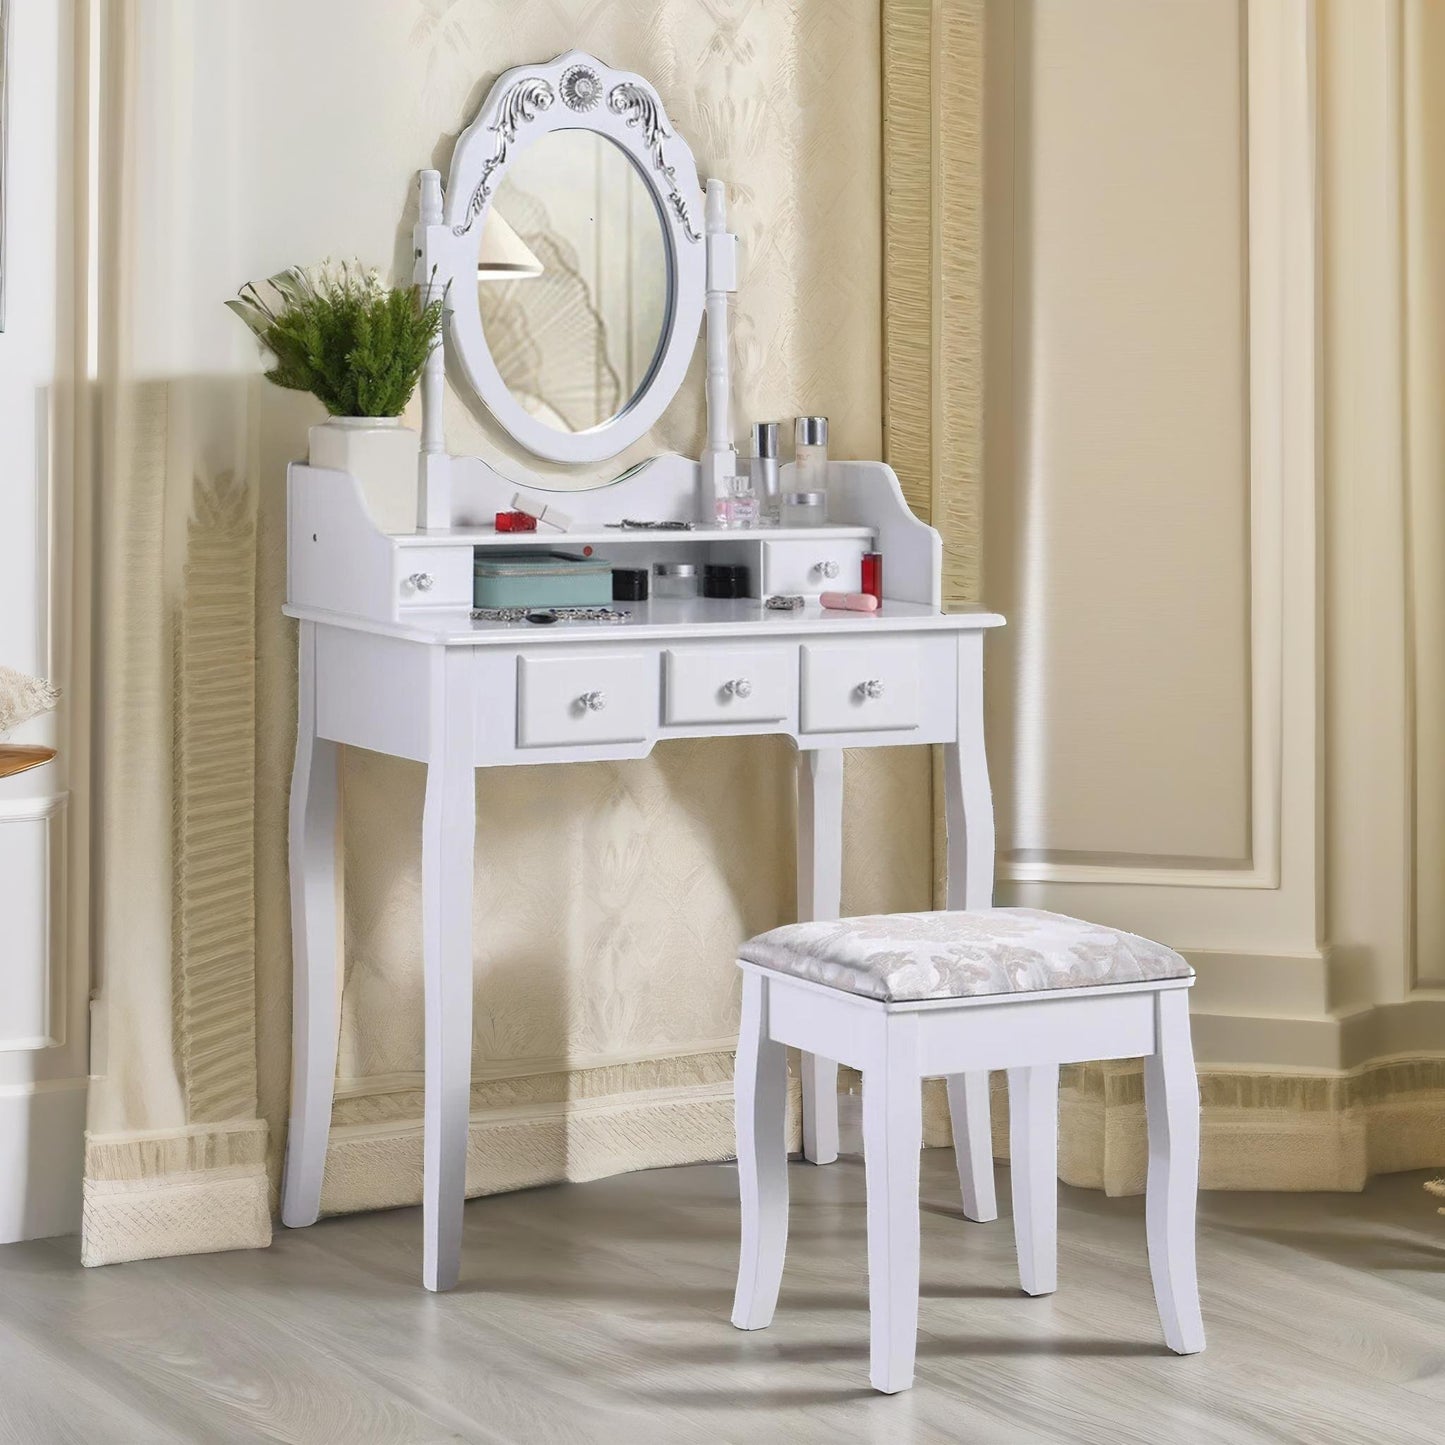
pixel 661 620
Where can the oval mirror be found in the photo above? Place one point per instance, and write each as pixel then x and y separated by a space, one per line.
pixel 573 257
pixel 572 281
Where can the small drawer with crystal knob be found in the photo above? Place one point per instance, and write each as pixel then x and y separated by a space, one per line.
pixel 433 576
pixel 827 565
pixel 860 687
pixel 723 685
pixel 574 698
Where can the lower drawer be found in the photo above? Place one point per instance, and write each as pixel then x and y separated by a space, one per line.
pixel 573 699
pixel 860 687
pixel 728 685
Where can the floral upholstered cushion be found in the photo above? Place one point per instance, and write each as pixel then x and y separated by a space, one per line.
pixel 898 957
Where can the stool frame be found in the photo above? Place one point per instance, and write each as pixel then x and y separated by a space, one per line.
pixel 896 1046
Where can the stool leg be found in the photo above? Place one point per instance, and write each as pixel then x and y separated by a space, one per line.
pixel 1171 1096
pixel 892 1141
pixel 1033 1106
pixel 760 1088
pixel 820 1109
pixel 972 1144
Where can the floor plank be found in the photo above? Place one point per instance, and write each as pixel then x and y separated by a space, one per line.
pixel 598 1313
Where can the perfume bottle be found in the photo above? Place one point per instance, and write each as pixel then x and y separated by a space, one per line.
pixel 738 505
pixel 722 500
pixel 764 469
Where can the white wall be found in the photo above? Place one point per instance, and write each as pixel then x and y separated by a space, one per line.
pixel 43 970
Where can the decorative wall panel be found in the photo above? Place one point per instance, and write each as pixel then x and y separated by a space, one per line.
pixel 1120 539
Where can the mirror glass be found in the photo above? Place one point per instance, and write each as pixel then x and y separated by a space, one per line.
pixel 572 280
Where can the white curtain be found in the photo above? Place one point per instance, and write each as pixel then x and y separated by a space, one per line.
pixel 244 135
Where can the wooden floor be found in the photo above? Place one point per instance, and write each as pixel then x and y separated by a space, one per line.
pixel 598 1312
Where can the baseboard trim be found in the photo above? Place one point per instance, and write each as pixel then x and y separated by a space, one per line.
pixel 509 1148
pixel 202 1190
pixel 195 1190
pixel 1261 1130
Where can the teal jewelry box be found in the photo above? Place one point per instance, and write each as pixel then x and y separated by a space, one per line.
pixel 540 579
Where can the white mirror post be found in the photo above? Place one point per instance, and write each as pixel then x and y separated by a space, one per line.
pixel 720 456
pixel 434 492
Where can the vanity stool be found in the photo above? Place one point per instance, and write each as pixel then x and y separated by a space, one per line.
pixel 906 996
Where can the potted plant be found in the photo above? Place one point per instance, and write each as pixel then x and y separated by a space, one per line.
pixel 359 347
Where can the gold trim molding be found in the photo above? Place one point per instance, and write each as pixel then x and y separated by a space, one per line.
pixel 932 271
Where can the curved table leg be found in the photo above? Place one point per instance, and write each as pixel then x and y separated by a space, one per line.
pixel 448 841
pixel 315 949
pixel 820 892
pixel 969 813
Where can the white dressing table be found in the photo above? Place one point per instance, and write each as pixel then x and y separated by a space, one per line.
pixel 391 658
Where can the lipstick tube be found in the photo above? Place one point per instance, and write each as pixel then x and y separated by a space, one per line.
pixel 850 601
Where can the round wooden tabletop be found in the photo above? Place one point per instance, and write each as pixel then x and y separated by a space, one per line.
pixel 18 757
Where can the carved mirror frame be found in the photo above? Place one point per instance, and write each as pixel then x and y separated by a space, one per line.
pixel 576 91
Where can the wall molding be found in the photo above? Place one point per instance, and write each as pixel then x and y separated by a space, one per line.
pixel 1278 62
pixel 21 810
pixel 933 98
pixel 50 1001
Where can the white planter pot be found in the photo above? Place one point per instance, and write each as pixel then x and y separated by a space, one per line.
pixel 382 455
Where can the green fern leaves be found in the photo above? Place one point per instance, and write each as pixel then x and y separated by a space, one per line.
pixel 339 333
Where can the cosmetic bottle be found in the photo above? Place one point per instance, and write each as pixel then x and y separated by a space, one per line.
pixel 736 505
pixel 722 496
pixel 674 581
pixel 764 469
pixel 810 454
pixel 725 580
pixel 871 580
pixel 629 584
pixel 805 509
pixel 742 504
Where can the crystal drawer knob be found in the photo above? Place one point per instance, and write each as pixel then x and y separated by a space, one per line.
pixel 593 701
pixel 871 689
pixel 829 569
pixel 421 581
pixel 738 687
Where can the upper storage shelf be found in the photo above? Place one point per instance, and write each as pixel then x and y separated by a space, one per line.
pixel 621 536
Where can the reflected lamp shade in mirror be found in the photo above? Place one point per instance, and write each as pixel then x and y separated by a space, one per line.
pixel 504 255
